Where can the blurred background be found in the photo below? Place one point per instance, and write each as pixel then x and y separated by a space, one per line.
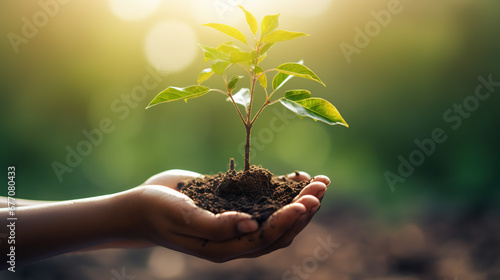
pixel 77 75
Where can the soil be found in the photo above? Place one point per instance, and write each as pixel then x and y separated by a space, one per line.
pixel 256 192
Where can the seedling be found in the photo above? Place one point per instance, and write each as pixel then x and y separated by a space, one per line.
pixel 228 55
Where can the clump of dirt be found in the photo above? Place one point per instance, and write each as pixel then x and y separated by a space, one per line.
pixel 256 192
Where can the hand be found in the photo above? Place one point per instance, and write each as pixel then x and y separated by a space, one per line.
pixel 171 219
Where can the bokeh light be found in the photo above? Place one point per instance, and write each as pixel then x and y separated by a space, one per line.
pixel 171 46
pixel 132 10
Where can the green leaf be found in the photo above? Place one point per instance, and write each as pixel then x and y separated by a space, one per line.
pixel 240 56
pixel 227 48
pixel 228 30
pixel 269 24
pixel 234 80
pixel 315 108
pixel 214 54
pixel 266 48
pixel 251 20
pixel 299 70
pixel 220 66
pixel 281 35
pixel 205 75
pixel 262 79
pixel 262 57
pixel 176 93
pixel 281 78
pixel 297 94
pixel 242 97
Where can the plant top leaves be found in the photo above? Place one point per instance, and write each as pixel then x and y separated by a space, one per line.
pixel 228 30
pixel 205 75
pixel 234 80
pixel 299 70
pixel 269 23
pixel 251 20
pixel 281 78
pixel 281 35
pixel 176 93
pixel 300 102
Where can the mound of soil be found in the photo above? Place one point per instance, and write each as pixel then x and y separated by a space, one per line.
pixel 256 192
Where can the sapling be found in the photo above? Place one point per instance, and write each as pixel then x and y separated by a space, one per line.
pixel 228 55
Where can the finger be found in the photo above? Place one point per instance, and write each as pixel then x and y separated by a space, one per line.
pixel 278 224
pixel 322 178
pixel 287 238
pixel 204 224
pixel 171 178
pixel 316 189
pixel 299 176
pixel 284 241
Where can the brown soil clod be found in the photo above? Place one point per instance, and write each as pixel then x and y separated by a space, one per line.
pixel 256 192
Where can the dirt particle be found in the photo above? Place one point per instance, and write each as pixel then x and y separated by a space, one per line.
pixel 256 192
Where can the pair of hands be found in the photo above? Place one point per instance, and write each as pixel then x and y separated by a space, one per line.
pixel 171 219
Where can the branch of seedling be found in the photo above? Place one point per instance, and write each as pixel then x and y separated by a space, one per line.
pixel 227 55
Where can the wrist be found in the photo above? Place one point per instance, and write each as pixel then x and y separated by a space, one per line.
pixel 126 214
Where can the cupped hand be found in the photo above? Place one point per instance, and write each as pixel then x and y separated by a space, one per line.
pixel 171 219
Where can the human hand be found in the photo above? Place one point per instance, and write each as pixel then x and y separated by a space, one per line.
pixel 171 219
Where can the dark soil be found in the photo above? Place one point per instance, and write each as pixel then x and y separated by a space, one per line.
pixel 256 192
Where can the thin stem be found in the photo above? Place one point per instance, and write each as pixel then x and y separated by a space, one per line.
pixel 218 90
pixel 247 147
pixel 260 111
pixel 252 89
pixel 248 72
pixel 271 103
pixel 237 109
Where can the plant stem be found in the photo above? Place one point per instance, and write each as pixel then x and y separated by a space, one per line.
pixel 260 111
pixel 237 109
pixel 247 147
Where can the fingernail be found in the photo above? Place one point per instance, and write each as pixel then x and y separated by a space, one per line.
pixel 247 226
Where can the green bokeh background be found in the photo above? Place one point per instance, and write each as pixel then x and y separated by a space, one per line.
pixel 393 92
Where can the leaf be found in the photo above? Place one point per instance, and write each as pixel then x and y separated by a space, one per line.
pixel 315 108
pixel 240 56
pixel 220 66
pixel 176 93
pixel 261 58
pixel 242 97
pixel 269 23
pixel 228 30
pixel 251 20
pixel 262 78
pixel 266 48
pixel 299 70
pixel 227 48
pixel 234 80
pixel 281 35
pixel 214 54
pixel 281 78
pixel 297 94
pixel 205 75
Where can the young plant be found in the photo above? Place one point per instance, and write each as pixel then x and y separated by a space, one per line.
pixel 228 55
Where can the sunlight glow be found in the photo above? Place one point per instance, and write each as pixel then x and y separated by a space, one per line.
pixel 131 10
pixel 171 46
